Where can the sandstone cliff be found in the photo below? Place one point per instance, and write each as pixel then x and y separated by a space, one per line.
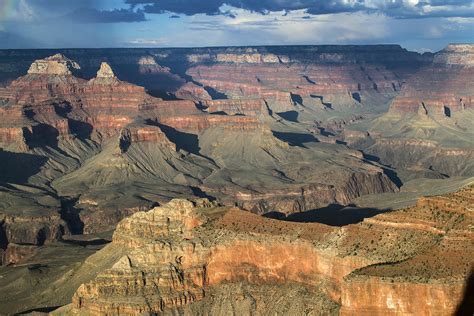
pixel 183 257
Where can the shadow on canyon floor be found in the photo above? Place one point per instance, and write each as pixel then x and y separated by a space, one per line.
pixel 291 116
pixel 84 243
pixel 18 167
pixel 40 310
pixel 333 215
pixel 295 139
pixel 467 305
pixel 387 170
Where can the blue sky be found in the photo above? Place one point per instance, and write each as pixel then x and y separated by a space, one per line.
pixel 422 25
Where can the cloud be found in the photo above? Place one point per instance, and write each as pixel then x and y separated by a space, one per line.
pixel 296 28
pixel 186 7
pixel 141 42
pixel 275 28
pixel 394 8
pixel 91 15
pixel 416 24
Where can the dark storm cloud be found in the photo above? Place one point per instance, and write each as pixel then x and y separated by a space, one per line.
pixel 86 11
pixel 211 7
pixel 91 15
pixel 448 2
pixel 187 7
pixel 395 8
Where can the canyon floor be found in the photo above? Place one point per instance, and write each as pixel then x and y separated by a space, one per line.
pixel 354 162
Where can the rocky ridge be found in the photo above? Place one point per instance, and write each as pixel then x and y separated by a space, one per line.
pixel 182 257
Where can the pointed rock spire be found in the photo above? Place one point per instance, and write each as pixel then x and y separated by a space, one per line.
pixel 105 71
pixel 105 76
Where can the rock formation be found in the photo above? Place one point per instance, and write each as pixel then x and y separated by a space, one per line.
pixel 434 107
pixel 191 91
pixel 105 133
pixel 456 55
pixel 206 143
pixel 286 132
pixel 183 257
pixel 54 65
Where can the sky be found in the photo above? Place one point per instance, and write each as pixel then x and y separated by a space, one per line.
pixel 420 25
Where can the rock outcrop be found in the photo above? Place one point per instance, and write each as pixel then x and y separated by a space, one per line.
pixel 456 55
pixel 191 91
pixel 441 89
pixel 27 221
pixel 434 107
pixel 182 257
pixel 55 65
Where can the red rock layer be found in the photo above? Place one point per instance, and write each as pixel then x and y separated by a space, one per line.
pixel 144 134
pixel 330 82
pixel 191 91
pixel 233 107
pixel 390 264
pixel 198 123
pixel 104 103
pixel 441 89
pixel 431 283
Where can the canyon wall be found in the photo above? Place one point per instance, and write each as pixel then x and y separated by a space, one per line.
pixel 181 256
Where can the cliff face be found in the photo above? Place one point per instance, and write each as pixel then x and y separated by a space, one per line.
pixel 456 55
pixel 246 129
pixel 441 90
pixel 104 133
pixel 337 85
pixel 428 123
pixel 27 221
pixel 181 256
pixel 426 284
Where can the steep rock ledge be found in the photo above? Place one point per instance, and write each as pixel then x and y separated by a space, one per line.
pixel 179 256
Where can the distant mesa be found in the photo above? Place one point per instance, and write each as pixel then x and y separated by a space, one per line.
pixel 456 55
pixel 147 60
pixel 54 65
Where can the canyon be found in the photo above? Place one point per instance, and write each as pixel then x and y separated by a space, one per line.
pixel 183 257
pixel 187 178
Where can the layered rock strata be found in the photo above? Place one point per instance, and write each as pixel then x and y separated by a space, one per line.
pixel 180 257
pixel 428 124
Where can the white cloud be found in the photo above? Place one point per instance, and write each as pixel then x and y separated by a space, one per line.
pixel 295 27
pixel 147 42
pixel 243 27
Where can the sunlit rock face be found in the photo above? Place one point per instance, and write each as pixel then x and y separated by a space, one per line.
pixel 182 256
pixel 456 55
pixel 54 65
